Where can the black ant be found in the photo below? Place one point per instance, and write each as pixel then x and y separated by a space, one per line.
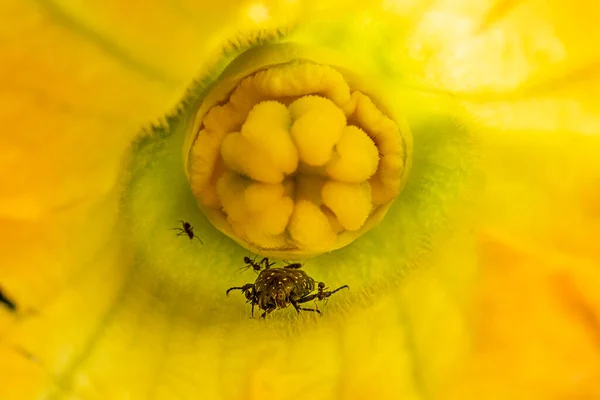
pixel 256 266
pixel 187 229
pixel 322 294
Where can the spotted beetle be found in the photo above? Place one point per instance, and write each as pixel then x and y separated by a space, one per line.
pixel 279 287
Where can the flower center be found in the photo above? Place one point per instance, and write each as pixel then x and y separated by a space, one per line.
pixel 294 160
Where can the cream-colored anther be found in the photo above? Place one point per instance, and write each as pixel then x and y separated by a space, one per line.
pixel 268 129
pixel 318 126
pixel 355 157
pixel 295 161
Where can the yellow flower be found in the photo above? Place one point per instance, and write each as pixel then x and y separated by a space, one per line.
pixel 481 281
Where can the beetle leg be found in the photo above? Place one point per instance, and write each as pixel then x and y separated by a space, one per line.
pixel 268 311
pixel 340 288
pixel 254 302
pixel 307 298
pixel 298 308
pixel 242 288
pixel 311 309
pixel 321 295
pixel 295 305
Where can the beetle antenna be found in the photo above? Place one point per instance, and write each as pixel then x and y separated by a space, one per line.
pixel 340 288
pixel 234 288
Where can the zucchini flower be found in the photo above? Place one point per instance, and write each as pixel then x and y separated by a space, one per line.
pixel 438 158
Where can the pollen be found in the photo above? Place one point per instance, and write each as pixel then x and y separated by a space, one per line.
pixel 294 158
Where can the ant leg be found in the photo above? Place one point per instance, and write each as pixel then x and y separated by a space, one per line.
pixel 266 263
pixel 199 240
pixel 293 266
pixel 317 306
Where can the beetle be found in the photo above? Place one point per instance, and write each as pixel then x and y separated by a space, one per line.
pixel 279 287
pixel 187 229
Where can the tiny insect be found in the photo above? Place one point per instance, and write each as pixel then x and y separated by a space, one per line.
pixel 187 229
pixel 293 265
pixel 13 307
pixel 279 287
pixel 256 266
pixel 8 303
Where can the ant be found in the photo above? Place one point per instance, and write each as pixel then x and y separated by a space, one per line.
pixel 256 266
pixel 187 229
pixel 323 295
